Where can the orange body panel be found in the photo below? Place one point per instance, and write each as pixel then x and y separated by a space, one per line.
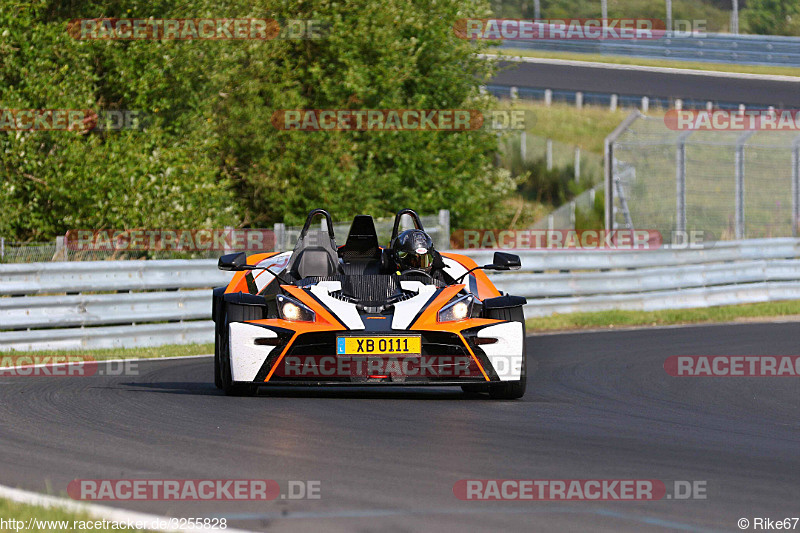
pixel 486 288
pixel 239 281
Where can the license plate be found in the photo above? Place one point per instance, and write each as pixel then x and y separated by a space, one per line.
pixel 378 345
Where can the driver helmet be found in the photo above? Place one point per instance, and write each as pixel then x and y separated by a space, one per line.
pixel 413 249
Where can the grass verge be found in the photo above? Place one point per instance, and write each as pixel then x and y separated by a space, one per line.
pixel 43 519
pixel 586 127
pixel 645 62
pixel 177 350
pixel 708 315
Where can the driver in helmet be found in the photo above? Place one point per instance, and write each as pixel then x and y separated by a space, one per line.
pixel 413 250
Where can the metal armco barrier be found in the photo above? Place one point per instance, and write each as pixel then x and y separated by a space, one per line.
pixel 711 47
pixel 106 304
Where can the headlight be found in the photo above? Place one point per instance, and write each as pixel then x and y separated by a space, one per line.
pixel 291 309
pixel 458 309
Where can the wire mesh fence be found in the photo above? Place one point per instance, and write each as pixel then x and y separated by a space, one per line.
pixel 729 185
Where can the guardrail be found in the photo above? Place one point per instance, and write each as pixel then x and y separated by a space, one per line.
pixel 710 47
pixel 104 304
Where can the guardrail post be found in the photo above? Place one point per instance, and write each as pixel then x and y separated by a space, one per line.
pixel 444 224
pixel 614 101
pixel 678 104
pixel 577 163
pixel 61 250
pixel 548 97
pixel 739 162
pixel 579 100
pixel 645 104
pixel 680 182
pixel 514 93
pixel 796 187
pixel 523 145
pixel 549 154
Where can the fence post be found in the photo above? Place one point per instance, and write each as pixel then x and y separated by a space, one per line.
pixel 608 166
pixel 61 249
pixel 514 93
pixel 645 104
pixel 279 228
pixel 572 208
pixel 444 223
pixel 2 249
pixel 523 146
pixel 548 97
pixel 579 100
pixel 614 101
pixel 668 7
pixel 735 18
pixel 680 182
pixel 548 155
pixel 577 163
pixel 537 9
pixel 228 247
pixel 678 104
pixel 739 162
pixel 796 187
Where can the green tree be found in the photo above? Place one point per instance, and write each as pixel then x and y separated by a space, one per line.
pixel 772 17
pixel 210 156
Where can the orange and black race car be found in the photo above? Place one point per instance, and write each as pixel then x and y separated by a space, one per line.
pixel 324 315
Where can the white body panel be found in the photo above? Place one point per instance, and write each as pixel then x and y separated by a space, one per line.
pixel 506 354
pixel 246 357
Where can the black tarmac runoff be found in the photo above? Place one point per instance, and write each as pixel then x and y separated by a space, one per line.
pixel 600 406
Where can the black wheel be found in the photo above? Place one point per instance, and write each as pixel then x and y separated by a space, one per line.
pixel 511 390
pixel 216 308
pixel 217 363
pixel 230 387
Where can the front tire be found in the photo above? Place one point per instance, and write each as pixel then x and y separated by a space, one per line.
pixel 511 390
pixel 223 363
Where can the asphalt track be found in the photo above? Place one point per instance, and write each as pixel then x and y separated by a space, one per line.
pixel 600 407
pixel 778 93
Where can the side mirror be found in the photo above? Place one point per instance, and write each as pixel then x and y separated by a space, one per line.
pixel 506 261
pixel 235 261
